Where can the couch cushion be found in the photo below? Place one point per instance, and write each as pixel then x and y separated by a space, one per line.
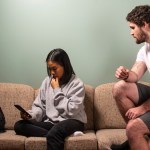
pixel 89 105
pixel 106 113
pixel 88 101
pixel 10 141
pixel 35 143
pixel 11 94
pixel 87 141
pixel 84 142
pixel 107 137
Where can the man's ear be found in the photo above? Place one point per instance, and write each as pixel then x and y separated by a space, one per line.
pixel 146 25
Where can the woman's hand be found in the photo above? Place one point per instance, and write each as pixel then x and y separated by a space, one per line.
pixel 25 116
pixel 55 83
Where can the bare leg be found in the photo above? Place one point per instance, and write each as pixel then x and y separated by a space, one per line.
pixel 136 129
pixel 126 96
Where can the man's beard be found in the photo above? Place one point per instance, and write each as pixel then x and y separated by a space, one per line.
pixel 141 38
pixel 139 41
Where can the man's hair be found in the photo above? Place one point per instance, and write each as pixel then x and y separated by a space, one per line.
pixel 139 15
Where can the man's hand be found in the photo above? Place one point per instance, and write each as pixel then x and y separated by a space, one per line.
pixel 122 73
pixel 133 113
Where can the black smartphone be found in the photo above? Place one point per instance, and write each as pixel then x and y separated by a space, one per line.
pixel 22 110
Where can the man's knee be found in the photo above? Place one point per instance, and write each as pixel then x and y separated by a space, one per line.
pixel 131 127
pixel 136 128
pixel 118 89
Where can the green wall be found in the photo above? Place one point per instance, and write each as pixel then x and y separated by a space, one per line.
pixel 94 33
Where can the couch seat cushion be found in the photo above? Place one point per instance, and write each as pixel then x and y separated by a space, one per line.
pixel 10 141
pixel 87 141
pixel 84 142
pixel 107 137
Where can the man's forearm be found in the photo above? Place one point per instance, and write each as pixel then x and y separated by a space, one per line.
pixel 146 105
pixel 132 77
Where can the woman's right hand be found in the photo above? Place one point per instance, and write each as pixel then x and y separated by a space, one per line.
pixel 55 83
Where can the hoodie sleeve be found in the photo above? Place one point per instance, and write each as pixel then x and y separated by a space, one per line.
pixel 38 107
pixel 70 103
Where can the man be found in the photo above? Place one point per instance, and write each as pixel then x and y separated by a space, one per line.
pixel 133 98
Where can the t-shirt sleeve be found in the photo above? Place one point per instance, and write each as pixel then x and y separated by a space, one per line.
pixel 140 55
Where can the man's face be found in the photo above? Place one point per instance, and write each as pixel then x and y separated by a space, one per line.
pixel 137 33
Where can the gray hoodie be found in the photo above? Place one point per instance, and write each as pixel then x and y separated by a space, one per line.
pixel 55 105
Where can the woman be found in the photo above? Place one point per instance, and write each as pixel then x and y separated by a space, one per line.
pixel 58 110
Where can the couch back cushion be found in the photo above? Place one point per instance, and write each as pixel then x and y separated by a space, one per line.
pixel 11 94
pixel 88 102
pixel 106 113
pixel 89 106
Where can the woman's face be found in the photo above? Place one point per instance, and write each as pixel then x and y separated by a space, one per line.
pixel 55 69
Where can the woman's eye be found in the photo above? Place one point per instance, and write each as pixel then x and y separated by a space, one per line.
pixel 52 69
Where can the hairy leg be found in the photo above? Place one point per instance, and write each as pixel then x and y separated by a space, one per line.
pixel 136 130
pixel 126 96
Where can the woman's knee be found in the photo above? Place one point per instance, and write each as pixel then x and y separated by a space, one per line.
pixel 18 127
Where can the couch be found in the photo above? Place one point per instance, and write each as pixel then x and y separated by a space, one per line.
pixel 105 125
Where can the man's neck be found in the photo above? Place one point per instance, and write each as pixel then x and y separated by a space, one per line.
pixel 148 36
pixel 148 41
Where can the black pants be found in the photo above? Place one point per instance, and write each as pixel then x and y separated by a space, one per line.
pixel 54 133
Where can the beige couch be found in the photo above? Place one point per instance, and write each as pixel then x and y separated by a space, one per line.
pixel 104 127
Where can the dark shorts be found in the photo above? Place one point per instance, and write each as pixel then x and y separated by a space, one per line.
pixel 144 95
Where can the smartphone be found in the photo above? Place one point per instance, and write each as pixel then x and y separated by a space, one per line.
pixel 22 110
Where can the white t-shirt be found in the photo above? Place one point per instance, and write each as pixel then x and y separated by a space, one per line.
pixel 144 55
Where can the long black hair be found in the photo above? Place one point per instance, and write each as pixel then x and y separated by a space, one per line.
pixel 61 57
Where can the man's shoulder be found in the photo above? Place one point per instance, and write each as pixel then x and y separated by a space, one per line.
pixel 147 44
pixel 145 47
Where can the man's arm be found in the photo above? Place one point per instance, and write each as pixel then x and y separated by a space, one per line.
pixel 137 71
pixel 135 112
